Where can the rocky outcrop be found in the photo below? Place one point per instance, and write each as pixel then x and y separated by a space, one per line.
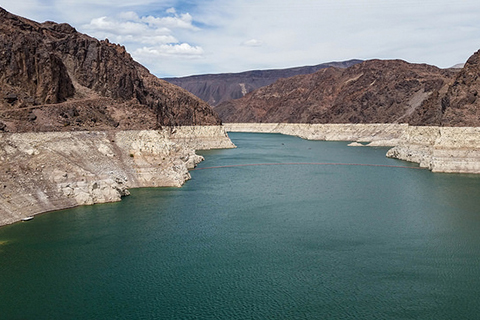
pixel 461 106
pixel 375 91
pixel 53 78
pixel 457 106
pixel 48 171
pixel 217 88
pixel 440 149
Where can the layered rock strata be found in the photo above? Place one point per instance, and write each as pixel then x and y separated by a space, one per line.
pixel 48 171
pixel 440 149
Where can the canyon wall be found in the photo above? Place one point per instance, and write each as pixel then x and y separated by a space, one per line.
pixel 47 171
pixel 374 91
pixel 81 122
pixel 440 149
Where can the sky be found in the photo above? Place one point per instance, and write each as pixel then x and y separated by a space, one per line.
pixel 187 37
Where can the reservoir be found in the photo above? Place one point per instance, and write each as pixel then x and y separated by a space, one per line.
pixel 279 228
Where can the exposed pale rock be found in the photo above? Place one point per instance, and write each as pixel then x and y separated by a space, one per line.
pixel 440 149
pixel 380 134
pixel 356 144
pixel 201 137
pixel 47 171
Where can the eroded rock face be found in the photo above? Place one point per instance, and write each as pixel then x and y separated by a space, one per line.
pixel 48 171
pixel 53 78
pixel 461 104
pixel 375 91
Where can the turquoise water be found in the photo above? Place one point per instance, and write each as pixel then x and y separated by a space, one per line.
pixel 258 242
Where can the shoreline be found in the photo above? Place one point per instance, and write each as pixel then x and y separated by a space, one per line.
pixel 49 171
pixel 439 149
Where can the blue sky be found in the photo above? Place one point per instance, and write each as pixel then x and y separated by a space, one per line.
pixel 178 38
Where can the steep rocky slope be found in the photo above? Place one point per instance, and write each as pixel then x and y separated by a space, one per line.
pixel 75 115
pixel 375 91
pixel 217 88
pixel 458 106
pixel 53 78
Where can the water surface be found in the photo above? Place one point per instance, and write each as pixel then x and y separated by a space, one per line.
pixel 258 242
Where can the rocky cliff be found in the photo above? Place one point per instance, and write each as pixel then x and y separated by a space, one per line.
pixel 45 171
pixel 217 88
pixel 53 78
pixel 375 91
pixel 458 106
pixel 81 122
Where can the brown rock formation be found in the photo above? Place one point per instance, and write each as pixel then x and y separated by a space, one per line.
pixel 53 78
pixel 461 106
pixel 217 88
pixel 375 91
pixel 456 105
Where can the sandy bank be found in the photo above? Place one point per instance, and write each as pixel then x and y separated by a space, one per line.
pixel 41 172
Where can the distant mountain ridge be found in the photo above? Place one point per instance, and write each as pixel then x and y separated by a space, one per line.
pixel 374 91
pixel 217 88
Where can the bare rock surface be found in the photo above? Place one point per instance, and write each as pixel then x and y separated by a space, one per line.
pixel 48 171
pixel 461 105
pixel 375 91
pixel 81 122
pixel 53 78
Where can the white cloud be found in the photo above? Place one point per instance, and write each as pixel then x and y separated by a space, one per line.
pixel 111 26
pixel 305 32
pixel 252 43
pixel 183 21
pixel 183 49
pixel 284 33
pixel 171 10
pixel 129 16
pixel 148 37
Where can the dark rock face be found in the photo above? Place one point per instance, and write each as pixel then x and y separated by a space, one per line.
pixel 217 88
pixel 461 105
pixel 47 68
pixel 375 91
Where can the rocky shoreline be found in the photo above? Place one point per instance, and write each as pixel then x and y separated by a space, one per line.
pixel 47 171
pixel 440 149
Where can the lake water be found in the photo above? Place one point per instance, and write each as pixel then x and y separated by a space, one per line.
pixel 295 241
